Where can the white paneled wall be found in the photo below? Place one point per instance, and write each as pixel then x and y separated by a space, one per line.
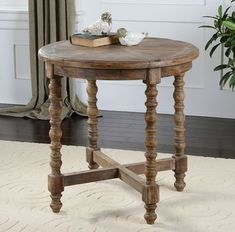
pixel 175 19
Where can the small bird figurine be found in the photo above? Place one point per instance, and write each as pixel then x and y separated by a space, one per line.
pixel 130 38
pixel 101 27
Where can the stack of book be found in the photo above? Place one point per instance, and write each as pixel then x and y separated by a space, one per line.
pixel 93 40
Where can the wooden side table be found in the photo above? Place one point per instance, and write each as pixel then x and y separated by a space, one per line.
pixel 150 61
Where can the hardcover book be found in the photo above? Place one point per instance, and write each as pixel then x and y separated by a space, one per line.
pixel 93 40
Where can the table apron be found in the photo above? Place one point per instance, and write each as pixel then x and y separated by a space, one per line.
pixel 118 74
pixel 101 74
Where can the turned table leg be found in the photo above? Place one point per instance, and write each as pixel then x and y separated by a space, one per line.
pixel 92 112
pixel 55 179
pixel 151 189
pixel 179 118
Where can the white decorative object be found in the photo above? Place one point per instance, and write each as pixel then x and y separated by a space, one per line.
pixel 100 27
pixel 127 38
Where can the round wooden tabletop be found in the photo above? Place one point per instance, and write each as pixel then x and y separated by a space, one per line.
pixel 150 53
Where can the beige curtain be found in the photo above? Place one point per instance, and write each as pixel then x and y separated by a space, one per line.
pixel 49 21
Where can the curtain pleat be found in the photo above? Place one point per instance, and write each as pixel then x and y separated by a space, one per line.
pixel 49 21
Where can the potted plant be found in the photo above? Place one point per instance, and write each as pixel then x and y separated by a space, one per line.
pixel 224 37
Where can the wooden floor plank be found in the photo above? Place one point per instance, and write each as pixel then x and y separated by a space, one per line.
pixel 205 136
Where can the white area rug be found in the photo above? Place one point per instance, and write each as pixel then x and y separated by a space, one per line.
pixel 207 205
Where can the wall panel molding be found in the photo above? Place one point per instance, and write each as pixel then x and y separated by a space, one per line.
pixel 157 2
pixel 21 66
pixel 18 20
pixel 13 20
pixel 15 77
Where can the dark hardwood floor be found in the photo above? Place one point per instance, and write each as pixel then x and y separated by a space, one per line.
pixel 211 137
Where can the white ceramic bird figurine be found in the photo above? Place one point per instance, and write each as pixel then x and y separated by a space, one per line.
pixel 130 38
pixel 100 27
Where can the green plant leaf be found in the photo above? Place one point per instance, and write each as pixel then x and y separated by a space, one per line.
pixel 223 39
pixel 225 13
pixel 224 35
pixel 224 26
pixel 213 49
pixel 229 25
pixel 207 26
pixel 220 67
pixel 220 9
pixel 225 78
pixel 228 52
pixel 230 62
pixel 232 82
pixel 211 17
pixel 213 38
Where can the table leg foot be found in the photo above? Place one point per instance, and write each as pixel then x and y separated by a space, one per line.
pixel 180 169
pixel 56 203
pixel 55 186
pixel 150 197
pixel 150 215
pixel 179 183
pixel 93 165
